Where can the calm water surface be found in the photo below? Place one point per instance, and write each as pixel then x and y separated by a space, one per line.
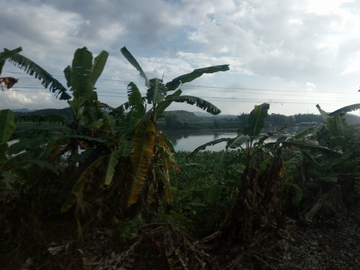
pixel 190 140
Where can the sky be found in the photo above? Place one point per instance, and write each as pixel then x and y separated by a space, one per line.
pixel 291 54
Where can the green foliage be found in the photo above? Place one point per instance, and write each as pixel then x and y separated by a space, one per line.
pixel 157 93
pixel 7 125
pixel 256 120
pixel 204 191
pixel 33 69
pixel 133 61
pixel 175 83
pixel 7 54
pixel 105 160
pixel 145 149
pixel 172 122
pixel 183 116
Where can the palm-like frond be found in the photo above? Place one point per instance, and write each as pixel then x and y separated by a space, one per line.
pixel 35 70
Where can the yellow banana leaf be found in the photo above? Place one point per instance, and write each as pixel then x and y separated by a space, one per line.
pixel 173 162
pixel 80 184
pixel 141 157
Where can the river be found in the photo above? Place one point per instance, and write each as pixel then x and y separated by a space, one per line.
pixel 189 140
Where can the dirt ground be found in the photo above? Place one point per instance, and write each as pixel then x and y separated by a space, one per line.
pixel 331 243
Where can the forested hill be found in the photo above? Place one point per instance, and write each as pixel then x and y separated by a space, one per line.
pixel 189 120
pixel 66 112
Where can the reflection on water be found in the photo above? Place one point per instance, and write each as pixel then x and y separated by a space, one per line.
pixel 190 140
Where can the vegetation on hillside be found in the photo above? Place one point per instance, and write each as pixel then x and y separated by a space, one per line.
pixel 107 189
pixel 184 120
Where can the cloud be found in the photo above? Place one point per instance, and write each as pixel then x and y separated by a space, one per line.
pixel 310 86
pixel 275 44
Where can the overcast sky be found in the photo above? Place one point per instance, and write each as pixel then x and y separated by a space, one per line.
pixel 290 54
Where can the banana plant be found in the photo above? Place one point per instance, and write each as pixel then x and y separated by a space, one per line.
pixel 342 140
pixel 93 129
pixel 13 160
pixel 150 145
pixel 325 164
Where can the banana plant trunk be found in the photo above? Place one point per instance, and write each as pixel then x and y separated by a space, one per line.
pixel 257 209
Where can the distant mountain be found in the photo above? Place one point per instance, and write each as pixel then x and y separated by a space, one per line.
pixel 352 119
pixel 196 117
pixel 184 116
pixel 24 110
pixel 203 115
pixel 66 112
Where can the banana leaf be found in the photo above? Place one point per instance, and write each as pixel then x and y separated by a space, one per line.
pixel 110 166
pixel 169 156
pixel 193 75
pixel 7 54
pixel 141 158
pixel 80 184
pixel 167 102
pixel 237 141
pixel 135 99
pixel 346 109
pixel 7 125
pixel 157 91
pixel 203 147
pixel 80 74
pixel 33 69
pixel 199 102
pixel 98 67
pixel 328 121
pixel 256 120
pixel 311 145
pixel 133 61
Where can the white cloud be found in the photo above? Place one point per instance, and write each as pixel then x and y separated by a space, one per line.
pixel 197 37
pixel 17 97
pixel 310 85
pixel 353 64
pixel 275 44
